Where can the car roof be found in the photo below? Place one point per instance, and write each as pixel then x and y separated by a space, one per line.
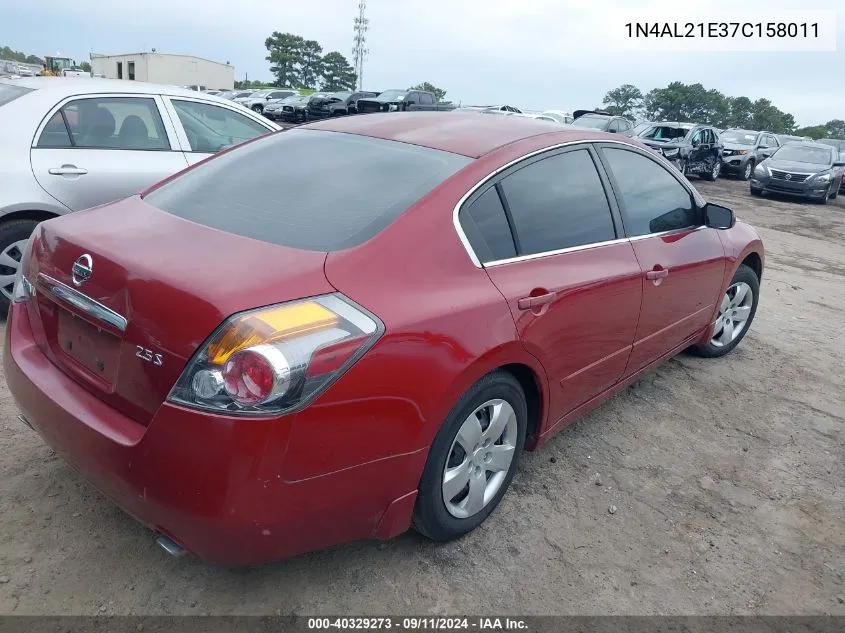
pixel 811 144
pixel 463 133
pixel 60 87
pixel 739 129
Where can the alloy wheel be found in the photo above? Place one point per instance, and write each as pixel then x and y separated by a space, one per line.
pixel 717 169
pixel 733 314
pixel 480 458
pixel 747 173
pixel 10 263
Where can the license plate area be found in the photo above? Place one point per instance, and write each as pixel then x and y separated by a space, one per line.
pixel 90 348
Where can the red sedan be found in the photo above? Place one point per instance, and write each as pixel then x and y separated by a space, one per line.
pixel 256 362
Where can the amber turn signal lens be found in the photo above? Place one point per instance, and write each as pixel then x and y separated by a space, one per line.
pixel 267 326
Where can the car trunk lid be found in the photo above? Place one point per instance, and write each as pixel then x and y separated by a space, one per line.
pixel 158 286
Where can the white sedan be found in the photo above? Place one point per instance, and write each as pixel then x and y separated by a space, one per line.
pixel 67 144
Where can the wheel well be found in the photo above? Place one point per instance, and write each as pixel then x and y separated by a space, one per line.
pixel 528 381
pixel 39 216
pixel 752 260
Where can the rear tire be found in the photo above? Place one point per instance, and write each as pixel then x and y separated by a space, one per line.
pixel 738 306
pixel 714 172
pixel 13 237
pixel 495 405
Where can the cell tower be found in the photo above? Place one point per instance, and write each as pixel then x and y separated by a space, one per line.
pixel 359 50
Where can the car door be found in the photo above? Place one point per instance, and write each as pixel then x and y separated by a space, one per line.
pixel 204 128
pixel 682 261
pixel 699 152
pixel 546 235
pixel 95 149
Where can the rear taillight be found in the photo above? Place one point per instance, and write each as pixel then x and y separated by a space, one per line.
pixel 23 289
pixel 276 359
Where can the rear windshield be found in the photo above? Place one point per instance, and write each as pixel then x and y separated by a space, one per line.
pixel 9 93
pixel 308 189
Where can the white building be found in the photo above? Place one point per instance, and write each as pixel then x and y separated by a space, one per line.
pixel 163 68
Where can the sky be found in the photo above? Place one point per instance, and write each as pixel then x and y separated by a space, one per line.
pixel 534 54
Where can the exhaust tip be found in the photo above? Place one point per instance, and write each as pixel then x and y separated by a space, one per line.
pixel 170 546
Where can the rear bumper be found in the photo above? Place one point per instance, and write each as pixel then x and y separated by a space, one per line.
pixel 213 484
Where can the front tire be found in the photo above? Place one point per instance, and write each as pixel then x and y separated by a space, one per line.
pixel 755 191
pixel 473 458
pixel 258 108
pixel 13 238
pixel 746 172
pixel 736 312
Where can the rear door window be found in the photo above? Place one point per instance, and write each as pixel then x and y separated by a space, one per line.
pixel 558 202
pixel 129 123
pixel 246 192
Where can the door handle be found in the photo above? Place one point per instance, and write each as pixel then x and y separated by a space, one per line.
pixel 527 303
pixel 67 170
pixel 654 275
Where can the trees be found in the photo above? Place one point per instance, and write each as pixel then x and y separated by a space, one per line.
pixel 285 55
pixel 18 56
pixel 624 100
pixel 336 73
pixel 300 63
pixel 85 66
pixel 439 93
pixel 831 129
pixel 693 102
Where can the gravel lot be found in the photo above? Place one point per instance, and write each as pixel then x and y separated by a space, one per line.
pixel 728 478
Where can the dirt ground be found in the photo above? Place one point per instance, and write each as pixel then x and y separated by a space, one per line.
pixel 728 478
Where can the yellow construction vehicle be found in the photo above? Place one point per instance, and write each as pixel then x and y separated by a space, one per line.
pixel 55 66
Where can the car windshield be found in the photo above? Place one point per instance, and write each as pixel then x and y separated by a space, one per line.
pixel 665 133
pixel 593 121
pixel 804 154
pixel 9 93
pixel 244 192
pixel 739 137
pixel 392 94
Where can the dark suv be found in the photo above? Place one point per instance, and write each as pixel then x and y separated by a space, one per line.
pixel 743 149
pixel 324 105
pixel 692 148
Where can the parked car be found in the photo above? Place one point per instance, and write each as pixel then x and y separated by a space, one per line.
pixel 839 145
pixel 806 170
pixel 489 109
pixel 693 148
pixel 298 395
pixel 239 94
pixel 402 100
pixel 602 121
pixel 561 116
pixel 538 116
pixel 70 144
pixel 292 109
pixel 788 138
pixel 639 128
pixel 337 104
pixel 743 149
pixel 258 100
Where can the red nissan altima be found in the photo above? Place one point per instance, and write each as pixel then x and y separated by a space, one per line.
pixel 354 327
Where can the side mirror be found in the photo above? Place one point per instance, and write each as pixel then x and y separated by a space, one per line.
pixel 718 217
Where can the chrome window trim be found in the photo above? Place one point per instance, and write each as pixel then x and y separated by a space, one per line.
pixel 84 303
pixel 456 222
